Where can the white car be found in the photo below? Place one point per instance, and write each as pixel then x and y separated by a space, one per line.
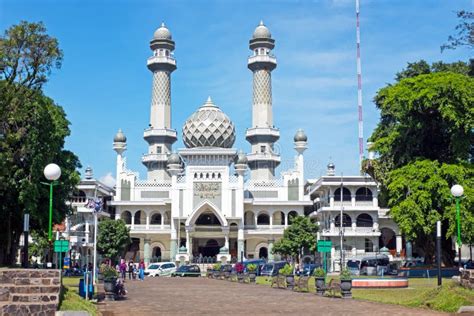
pixel 160 269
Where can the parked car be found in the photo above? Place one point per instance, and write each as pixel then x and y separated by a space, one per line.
pixel 272 268
pixel 375 265
pixel 160 269
pixel 187 271
pixel 309 268
pixel 354 267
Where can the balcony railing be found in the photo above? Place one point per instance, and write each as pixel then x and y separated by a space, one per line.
pixel 349 231
pixel 151 227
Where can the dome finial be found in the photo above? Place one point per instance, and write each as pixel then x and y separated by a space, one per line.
pixel 209 102
pixel 261 23
pixel 163 24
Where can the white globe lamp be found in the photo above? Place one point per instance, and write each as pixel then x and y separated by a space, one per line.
pixel 457 190
pixel 52 172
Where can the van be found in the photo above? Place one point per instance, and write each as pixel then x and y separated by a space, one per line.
pixel 272 268
pixel 375 265
pixel 160 269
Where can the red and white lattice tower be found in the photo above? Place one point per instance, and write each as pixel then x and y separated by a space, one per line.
pixel 359 89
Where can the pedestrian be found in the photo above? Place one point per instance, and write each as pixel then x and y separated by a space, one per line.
pixel 130 269
pixel 141 270
pixel 123 269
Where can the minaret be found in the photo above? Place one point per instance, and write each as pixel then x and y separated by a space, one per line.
pixel 262 135
pixel 160 136
pixel 120 146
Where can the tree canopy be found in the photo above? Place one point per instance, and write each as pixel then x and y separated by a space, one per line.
pixel 301 233
pixel 32 133
pixel 465 32
pixel 112 238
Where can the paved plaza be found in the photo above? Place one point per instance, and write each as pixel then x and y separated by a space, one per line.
pixel 200 296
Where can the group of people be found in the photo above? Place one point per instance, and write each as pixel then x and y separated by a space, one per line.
pixel 133 269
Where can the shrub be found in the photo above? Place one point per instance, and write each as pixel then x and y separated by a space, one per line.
pixel 108 272
pixel 216 267
pixel 345 274
pixel 286 270
pixel 251 267
pixel 239 267
pixel 319 273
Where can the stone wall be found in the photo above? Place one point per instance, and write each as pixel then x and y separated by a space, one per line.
pixel 467 278
pixel 29 291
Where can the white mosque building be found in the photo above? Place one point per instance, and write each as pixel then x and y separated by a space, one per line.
pixel 209 200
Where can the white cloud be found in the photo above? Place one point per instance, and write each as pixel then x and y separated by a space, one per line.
pixel 108 179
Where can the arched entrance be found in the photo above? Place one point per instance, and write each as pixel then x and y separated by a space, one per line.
pixel 211 248
pixel 387 239
pixel 263 253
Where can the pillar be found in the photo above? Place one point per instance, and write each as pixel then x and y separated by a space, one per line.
pixel 286 220
pixel 271 220
pixel 162 220
pixel 331 200
pixel 399 244
pixel 270 247
pixel 147 226
pixel 187 241
pixel 132 220
pixel 146 251
pixel 173 247
pixel 240 243
pixel 353 200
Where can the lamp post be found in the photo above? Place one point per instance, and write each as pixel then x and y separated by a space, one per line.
pixel 457 191
pixel 52 172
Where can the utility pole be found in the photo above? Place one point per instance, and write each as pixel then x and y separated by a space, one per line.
pixel 341 227
pixel 438 250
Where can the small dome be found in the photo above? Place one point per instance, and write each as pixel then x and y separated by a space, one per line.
pixel 241 158
pixel 88 173
pixel 209 127
pixel 300 136
pixel 331 166
pixel 174 159
pixel 261 31
pixel 162 33
pixel 120 137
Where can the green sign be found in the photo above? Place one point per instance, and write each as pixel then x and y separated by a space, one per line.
pixel 324 245
pixel 61 245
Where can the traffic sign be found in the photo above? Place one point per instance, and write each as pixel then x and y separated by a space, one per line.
pixel 324 245
pixel 67 263
pixel 61 245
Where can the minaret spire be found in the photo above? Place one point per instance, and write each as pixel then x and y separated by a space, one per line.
pixel 160 136
pixel 262 135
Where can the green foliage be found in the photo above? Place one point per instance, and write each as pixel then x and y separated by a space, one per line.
pixel 216 267
pixel 251 267
pixel 319 273
pixel 465 32
pixel 345 274
pixel 301 233
pixel 40 244
pixel 423 68
pixel 112 238
pixel 32 134
pixel 108 272
pixel 286 270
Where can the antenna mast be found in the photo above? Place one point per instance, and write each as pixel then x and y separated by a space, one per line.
pixel 359 90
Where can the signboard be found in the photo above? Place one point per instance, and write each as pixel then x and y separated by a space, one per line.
pixel 61 245
pixel 207 191
pixel 324 245
pixel 67 263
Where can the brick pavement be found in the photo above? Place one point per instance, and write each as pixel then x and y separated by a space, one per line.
pixel 200 296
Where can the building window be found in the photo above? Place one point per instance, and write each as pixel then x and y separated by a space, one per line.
pixel 262 149
pixel 369 245
pixel 158 150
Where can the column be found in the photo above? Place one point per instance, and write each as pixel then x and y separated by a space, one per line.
pixel 331 200
pixel 146 251
pixel 286 220
pixel 271 220
pixel 187 240
pixel 87 230
pixel 270 247
pixel 399 244
pixel 147 226
pixel 240 243
pixel 162 220
pixel 132 220
pixel 353 200
pixel 117 215
pixel 173 246
pixel 256 219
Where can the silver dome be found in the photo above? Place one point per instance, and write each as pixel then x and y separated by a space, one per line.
pixel 174 159
pixel 241 158
pixel 120 137
pixel 162 33
pixel 300 136
pixel 261 31
pixel 209 127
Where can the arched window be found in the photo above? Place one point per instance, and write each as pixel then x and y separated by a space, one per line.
pixel 369 245
pixel 278 218
pixel 208 219
pixel 138 215
pixel 249 218
pixel 363 194
pixel 127 217
pixel 155 219
pixel 291 216
pixel 263 219
pixel 263 253
pixel 364 220
pixel 346 220
pixel 346 194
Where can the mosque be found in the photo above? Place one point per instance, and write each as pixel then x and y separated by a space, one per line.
pixel 210 200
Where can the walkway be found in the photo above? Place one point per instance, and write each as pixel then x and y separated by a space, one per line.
pixel 200 296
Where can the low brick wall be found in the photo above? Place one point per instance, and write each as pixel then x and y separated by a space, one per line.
pixel 29 291
pixel 467 278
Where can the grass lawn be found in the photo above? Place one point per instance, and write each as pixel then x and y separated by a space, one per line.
pixel 422 293
pixel 71 301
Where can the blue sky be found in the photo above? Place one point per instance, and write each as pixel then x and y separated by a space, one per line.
pixel 104 84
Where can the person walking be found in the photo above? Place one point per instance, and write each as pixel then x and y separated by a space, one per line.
pixel 141 270
pixel 123 269
pixel 130 269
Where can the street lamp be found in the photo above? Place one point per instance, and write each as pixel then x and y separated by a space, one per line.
pixel 457 191
pixel 52 172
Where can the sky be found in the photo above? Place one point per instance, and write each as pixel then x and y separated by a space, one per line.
pixel 104 83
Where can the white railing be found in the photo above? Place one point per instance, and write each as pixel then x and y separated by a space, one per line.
pixel 153 184
pixel 151 227
pixel 351 231
pixel 264 184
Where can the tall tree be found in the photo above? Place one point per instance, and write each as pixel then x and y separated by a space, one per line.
pixel 465 32
pixel 300 234
pixel 32 133
pixel 424 143
pixel 112 238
